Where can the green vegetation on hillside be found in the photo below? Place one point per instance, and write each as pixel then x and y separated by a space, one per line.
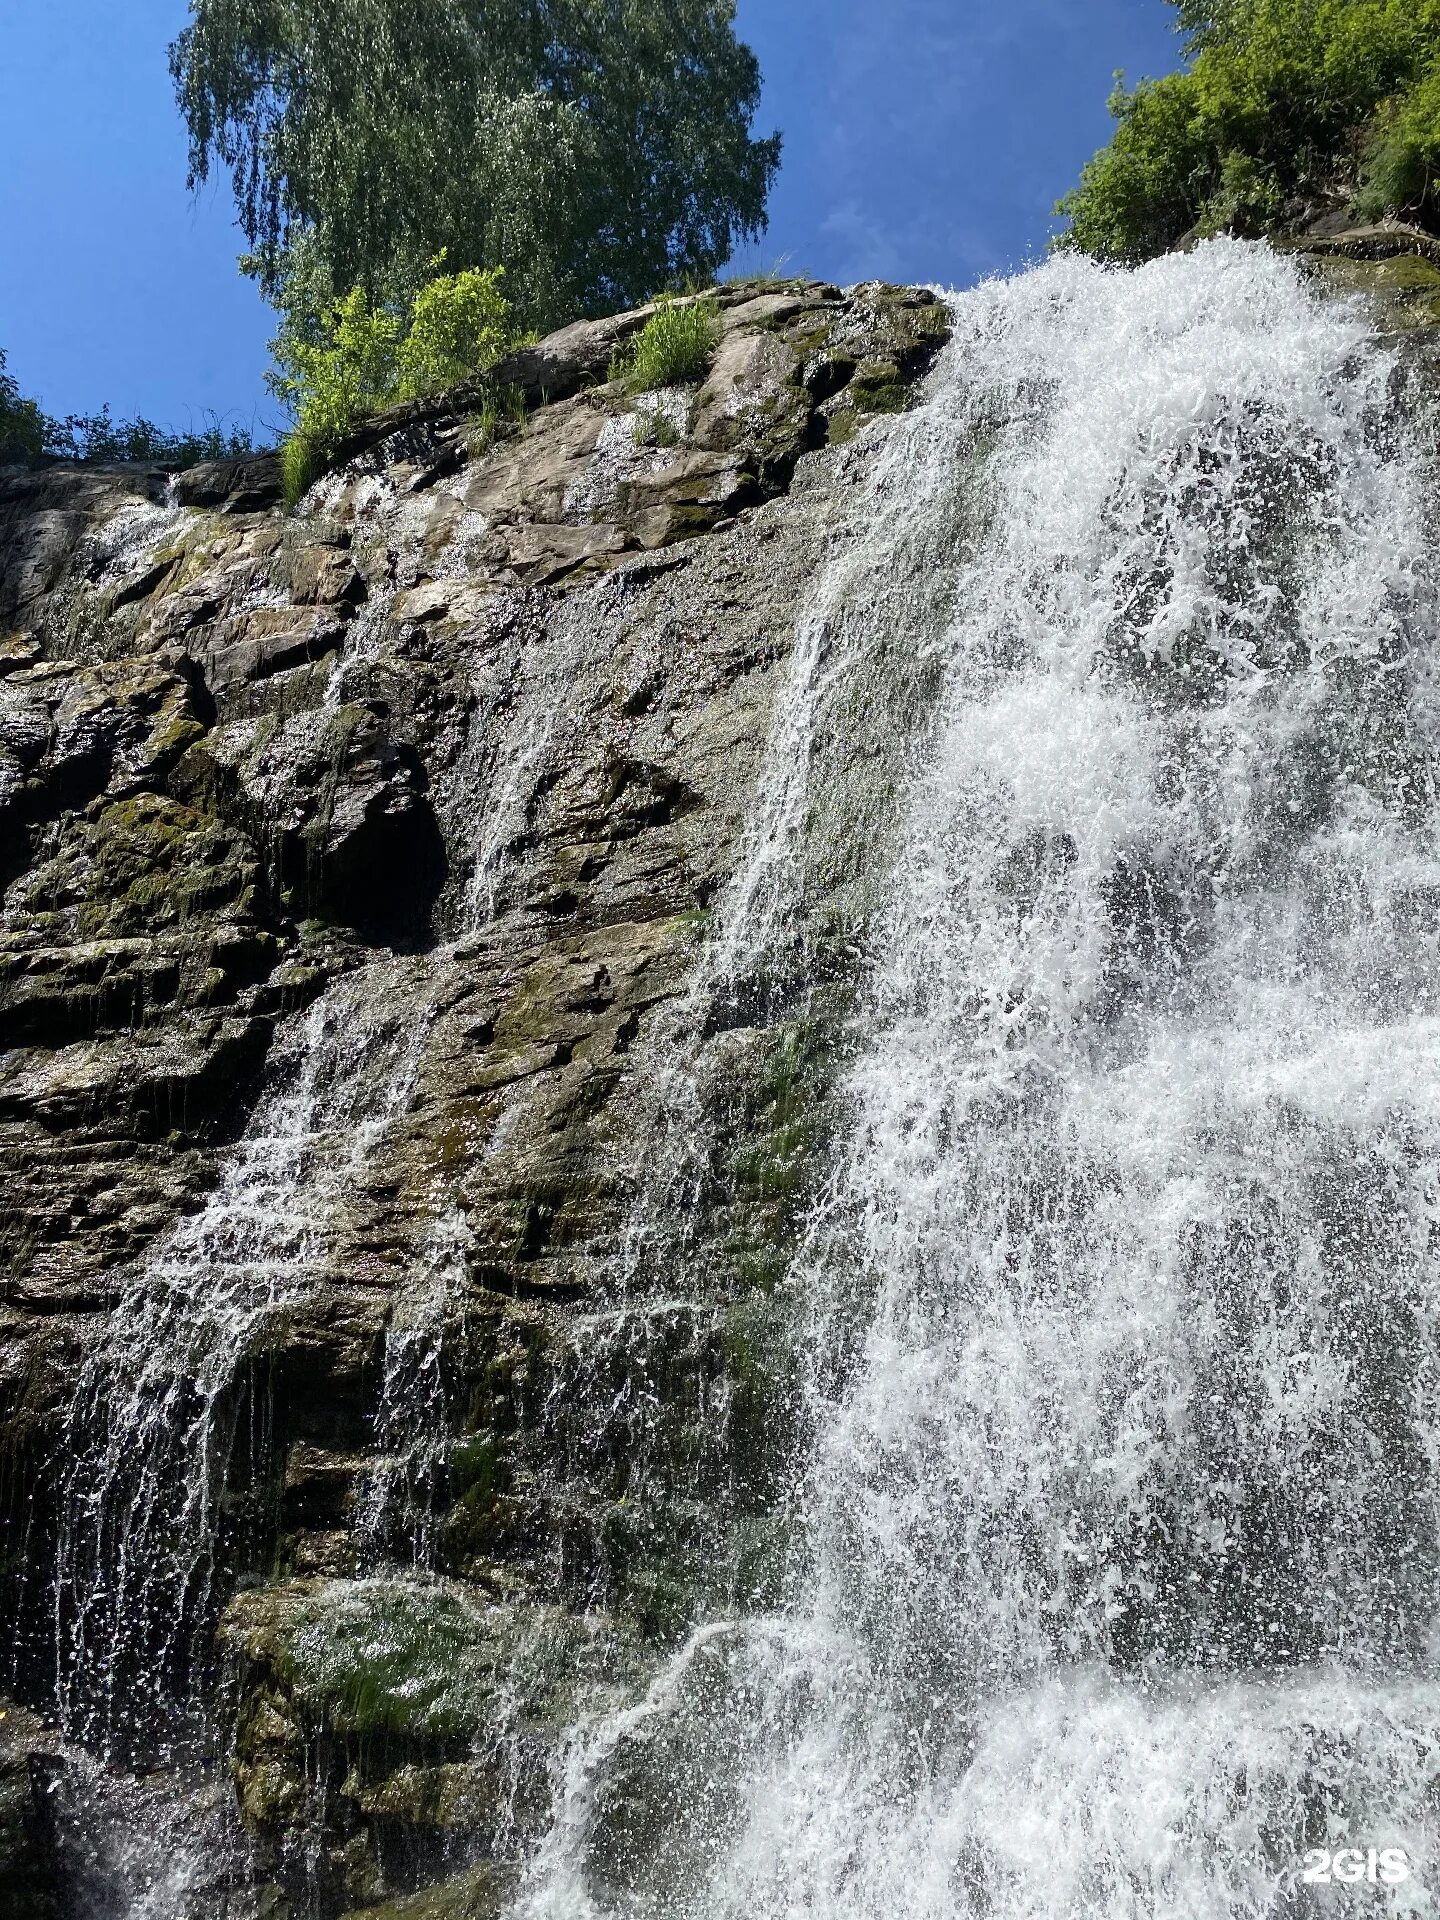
pixel 361 356
pixel 593 150
pixel 29 435
pixel 22 425
pixel 1287 108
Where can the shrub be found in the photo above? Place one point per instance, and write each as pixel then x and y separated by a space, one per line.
pixel 22 425
pixel 1280 100
pixel 96 437
pixel 675 345
pixel 364 356
pixel 333 381
pixel 28 435
pixel 1401 169
pixel 457 330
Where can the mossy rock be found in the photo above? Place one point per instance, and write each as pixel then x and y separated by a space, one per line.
pixel 879 387
pixel 479 1894
pixel 419 1662
pixel 842 426
pixel 157 862
pixel 1405 288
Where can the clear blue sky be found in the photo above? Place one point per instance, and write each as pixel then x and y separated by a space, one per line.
pixel 924 140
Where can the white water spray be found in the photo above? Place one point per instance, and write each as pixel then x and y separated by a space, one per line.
pixel 155 1416
pixel 1118 1549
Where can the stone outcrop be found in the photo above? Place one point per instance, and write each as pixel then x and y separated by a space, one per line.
pixel 456 756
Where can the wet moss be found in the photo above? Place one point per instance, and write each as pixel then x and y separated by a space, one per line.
pixel 842 426
pixel 879 386
pixel 389 1661
pixel 758 1342
pixel 147 864
pixel 782 1136
pixel 1405 288
pixel 478 1894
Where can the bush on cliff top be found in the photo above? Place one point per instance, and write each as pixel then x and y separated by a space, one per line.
pixel 1285 105
pixel 362 357
pixel 22 425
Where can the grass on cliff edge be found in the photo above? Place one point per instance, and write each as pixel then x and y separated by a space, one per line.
pixel 676 345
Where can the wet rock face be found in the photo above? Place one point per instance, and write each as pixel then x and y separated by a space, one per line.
pixel 27 1881
pixel 464 749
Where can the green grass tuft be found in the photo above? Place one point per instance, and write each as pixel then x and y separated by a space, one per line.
pixel 302 462
pixel 675 347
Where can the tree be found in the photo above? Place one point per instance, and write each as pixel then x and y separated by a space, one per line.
pixel 594 149
pixel 22 425
pixel 1286 106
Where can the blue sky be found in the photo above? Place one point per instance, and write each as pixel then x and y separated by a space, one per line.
pixel 924 140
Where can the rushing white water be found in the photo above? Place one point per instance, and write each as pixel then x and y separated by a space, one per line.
pixel 132 1849
pixel 1115 1584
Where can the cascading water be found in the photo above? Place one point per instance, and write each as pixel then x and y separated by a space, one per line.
pixel 413 1428
pixel 154 1424
pixel 1113 1588
pixel 640 1405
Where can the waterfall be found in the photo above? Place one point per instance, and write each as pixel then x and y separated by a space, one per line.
pixel 1100 799
pixel 640 1404
pixel 1114 1584
pixel 159 1413
pixel 413 1428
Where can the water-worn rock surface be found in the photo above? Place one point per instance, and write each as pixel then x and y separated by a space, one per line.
pixel 719 1128
pixel 352 860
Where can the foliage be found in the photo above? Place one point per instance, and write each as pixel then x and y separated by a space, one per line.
pixel 1401 167
pixel 333 381
pixel 99 437
pixel 458 326
pixel 28 435
pixel 593 148
pixel 1285 103
pixel 501 413
pixel 22 425
pixel 675 345
pixel 362 356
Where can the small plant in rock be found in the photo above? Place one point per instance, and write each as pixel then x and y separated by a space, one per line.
pixel 501 415
pixel 675 346
pixel 655 424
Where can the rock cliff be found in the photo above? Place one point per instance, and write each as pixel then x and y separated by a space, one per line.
pixel 354 862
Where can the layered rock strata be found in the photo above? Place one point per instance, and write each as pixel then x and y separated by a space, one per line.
pixel 427 790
